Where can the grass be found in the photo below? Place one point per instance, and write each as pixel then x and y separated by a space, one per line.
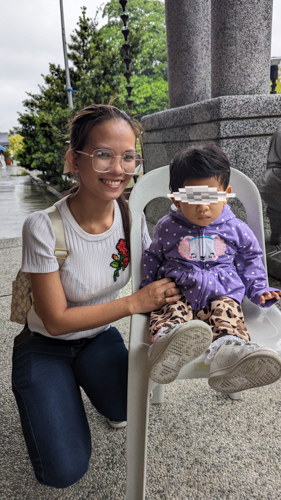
pixel 21 174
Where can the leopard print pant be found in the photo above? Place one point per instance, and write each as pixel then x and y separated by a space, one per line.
pixel 224 315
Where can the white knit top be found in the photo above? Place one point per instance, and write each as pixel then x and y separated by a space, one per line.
pixel 86 275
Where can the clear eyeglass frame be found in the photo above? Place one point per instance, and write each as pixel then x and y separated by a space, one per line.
pixel 106 157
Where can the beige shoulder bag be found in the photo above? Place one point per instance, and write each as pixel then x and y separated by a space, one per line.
pixel 21 293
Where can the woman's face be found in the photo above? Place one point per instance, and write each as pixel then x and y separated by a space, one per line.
pixel 118 136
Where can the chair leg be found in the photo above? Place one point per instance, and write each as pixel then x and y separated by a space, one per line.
pixel 158 394
pixel 235 395
pixel 138 406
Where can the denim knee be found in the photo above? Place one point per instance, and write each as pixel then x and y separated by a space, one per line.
pixel 65 472
pixel 61 466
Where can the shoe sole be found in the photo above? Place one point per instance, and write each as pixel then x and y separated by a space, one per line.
pixel 254 370
pixel 182 348
pixel 116 425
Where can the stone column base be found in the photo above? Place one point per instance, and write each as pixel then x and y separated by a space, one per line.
pixel 241 125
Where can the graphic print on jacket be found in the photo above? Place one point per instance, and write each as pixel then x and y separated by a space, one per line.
pixel 204 248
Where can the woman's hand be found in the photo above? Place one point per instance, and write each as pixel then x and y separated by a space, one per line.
pixel 270 295
pixel 154 296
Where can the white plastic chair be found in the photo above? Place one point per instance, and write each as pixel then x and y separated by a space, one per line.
pixel 263 324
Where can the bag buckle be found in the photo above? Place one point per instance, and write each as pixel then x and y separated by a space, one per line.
pixel 61 253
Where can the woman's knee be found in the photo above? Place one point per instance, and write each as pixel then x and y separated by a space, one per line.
pixel 59 450
pixel 64 472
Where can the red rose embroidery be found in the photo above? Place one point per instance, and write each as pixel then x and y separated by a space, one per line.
pixel 121 246
pixel 122 260
pixel 126 262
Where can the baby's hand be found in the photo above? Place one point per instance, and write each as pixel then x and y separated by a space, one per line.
pixel 270 295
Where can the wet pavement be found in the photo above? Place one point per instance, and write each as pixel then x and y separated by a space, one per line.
pixel 19 197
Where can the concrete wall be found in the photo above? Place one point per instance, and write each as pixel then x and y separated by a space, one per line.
pixel 241 125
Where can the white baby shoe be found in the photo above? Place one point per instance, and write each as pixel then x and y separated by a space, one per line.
pixel 179 346
pixel 240 365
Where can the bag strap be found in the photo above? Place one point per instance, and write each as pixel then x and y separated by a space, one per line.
pixel 61 252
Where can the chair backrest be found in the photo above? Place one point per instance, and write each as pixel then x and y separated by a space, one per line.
pixel 155 184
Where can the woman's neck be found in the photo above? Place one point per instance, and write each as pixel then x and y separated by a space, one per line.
pixel 93 215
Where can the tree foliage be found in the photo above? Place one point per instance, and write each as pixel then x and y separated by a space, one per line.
pixel 16 142
pixel 97 66
pixel 97 76
pixel 148 51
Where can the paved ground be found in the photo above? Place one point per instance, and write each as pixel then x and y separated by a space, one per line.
pixel 202 445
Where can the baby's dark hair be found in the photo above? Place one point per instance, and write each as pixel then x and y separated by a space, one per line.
pixel 199 162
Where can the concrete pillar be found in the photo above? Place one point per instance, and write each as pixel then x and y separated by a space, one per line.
pixel 241 39
pixel 189 51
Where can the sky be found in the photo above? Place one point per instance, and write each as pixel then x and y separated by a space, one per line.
pixel 30 38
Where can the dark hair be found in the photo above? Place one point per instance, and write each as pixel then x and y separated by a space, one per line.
pixel 81 126
pixel 93 115
pixel 199 162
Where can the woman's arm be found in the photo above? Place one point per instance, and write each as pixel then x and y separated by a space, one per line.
pixel 59 319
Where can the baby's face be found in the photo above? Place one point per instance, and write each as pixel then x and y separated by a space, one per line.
pixel 202 215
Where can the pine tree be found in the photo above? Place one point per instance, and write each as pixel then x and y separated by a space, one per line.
pixel 97 66
pixel 97 77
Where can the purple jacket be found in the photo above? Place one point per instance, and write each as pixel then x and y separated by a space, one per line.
pixel 223 258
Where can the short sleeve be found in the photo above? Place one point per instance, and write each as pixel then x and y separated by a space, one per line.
pixel 146 240
pixel 38 244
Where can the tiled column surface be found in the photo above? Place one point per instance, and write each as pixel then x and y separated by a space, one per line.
pixel 189 50
pixel 241 125
pixel 241 37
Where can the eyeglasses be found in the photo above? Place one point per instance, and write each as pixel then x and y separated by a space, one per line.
pixel 103 160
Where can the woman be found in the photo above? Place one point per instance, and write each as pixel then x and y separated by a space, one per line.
pixel 69 341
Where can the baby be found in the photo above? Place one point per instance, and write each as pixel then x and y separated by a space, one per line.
pixel 214 259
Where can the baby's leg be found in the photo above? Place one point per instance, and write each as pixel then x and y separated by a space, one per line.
pixel 225 317
pixel 176 340
pixel 236 363
pixel 169 316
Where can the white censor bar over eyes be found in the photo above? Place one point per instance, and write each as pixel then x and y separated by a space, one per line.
pixel 197 195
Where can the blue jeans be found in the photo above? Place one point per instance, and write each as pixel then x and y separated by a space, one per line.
pixel 47 373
